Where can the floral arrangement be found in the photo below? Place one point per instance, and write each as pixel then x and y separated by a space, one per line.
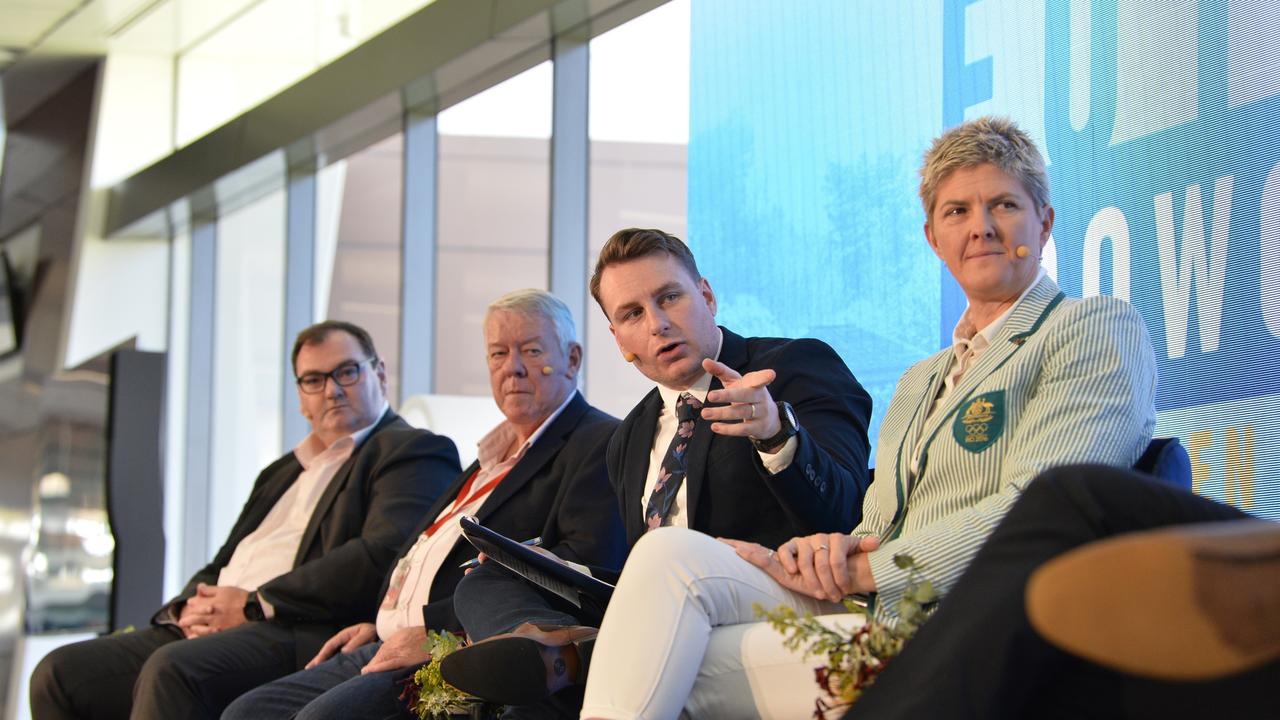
pixel 427 694
pixel 854 659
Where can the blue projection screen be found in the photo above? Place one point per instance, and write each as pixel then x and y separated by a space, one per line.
pixel 1161 125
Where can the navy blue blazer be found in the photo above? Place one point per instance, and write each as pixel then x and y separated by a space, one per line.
pixel 559 491
pixel 730 493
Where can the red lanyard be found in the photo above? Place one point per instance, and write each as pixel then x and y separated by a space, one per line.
pixel 462 500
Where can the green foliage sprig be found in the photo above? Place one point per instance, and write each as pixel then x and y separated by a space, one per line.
pixel 427 694
pixel 854 658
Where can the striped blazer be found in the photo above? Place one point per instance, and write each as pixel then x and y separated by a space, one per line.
pixel 1064 381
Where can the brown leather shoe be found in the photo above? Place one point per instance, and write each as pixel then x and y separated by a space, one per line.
pixel 1193 602
pixel 524 666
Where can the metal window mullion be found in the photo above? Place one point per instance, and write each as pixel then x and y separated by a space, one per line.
pixel 199 441
pixel 299 289
pixel 569 167
pixel 418 254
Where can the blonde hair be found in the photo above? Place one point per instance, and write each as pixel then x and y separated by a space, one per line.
pixel 539 303
pixel 988 139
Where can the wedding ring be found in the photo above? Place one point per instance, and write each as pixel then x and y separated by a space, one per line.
pixel 753 411
pixel 823 547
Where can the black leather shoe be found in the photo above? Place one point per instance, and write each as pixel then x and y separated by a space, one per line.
pixel 524 666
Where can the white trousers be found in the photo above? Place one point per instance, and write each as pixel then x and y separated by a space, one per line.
pixel 681 638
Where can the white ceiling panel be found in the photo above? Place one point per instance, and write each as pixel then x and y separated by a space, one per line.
pixel 23 22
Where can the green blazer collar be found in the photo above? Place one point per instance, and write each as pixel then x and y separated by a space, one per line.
pixel 1027 318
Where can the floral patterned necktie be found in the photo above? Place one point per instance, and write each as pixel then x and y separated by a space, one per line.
pixel 671 475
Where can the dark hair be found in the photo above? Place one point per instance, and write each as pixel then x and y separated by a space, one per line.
pixel 634 243
pixel 319 332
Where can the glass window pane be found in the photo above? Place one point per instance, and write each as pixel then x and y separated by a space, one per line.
pixel 494 218
pixel 248 354
pixel 358 247
pixel 638 165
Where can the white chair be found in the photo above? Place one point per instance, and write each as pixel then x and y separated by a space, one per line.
pixel 462 418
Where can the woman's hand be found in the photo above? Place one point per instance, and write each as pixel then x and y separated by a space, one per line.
pixel 826 566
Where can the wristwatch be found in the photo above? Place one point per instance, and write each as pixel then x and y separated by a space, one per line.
pixel 790 427
pixel 253 608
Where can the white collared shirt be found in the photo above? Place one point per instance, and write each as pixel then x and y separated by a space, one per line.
pixel 270 550
pixel 410 586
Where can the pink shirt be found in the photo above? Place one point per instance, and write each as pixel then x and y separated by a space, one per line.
pixel 271 549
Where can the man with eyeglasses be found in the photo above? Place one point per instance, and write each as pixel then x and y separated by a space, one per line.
pixel 305 558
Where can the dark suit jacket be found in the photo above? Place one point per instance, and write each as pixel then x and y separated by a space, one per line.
pixel 730 494
pixel 369 507
pixel 559 490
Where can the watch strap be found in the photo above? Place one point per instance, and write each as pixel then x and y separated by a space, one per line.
pixel 253 608
pixel 788 430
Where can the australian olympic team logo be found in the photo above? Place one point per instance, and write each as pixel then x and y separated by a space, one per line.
pixel 980 421
pixel 976 420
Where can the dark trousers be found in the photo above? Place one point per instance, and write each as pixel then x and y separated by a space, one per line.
pixel 491 600
pixel 978 656
pixel 154 673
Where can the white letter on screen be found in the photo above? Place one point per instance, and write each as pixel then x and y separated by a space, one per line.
pixel 1109 222
pixel 1207 273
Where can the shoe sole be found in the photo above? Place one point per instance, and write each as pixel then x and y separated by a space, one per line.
pixel 1195 602
pixel 506 670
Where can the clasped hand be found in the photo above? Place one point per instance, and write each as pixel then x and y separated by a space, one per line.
pixel 826 566
pixel 212 609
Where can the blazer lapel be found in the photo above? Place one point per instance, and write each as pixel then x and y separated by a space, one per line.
pixel 538 456
pixel 916 424
pixel 446 498
pixel 274 490
pixel 733 352
pixel 639 442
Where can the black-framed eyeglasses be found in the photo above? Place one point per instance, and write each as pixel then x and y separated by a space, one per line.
pixel 346 375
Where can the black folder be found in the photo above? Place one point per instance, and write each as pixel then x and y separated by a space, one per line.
pixel 577 588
